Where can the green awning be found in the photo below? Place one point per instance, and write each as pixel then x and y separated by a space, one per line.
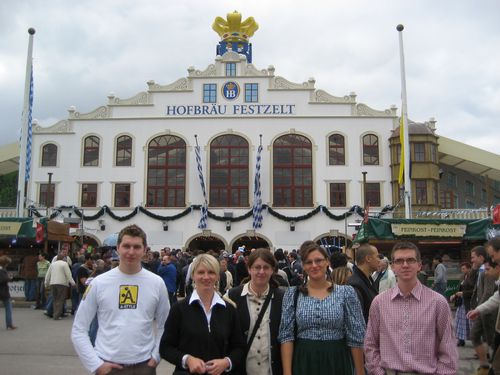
pixel 393 229
pixel 21 227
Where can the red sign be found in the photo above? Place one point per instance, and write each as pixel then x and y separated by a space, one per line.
pixel 40 233
pixel 496 214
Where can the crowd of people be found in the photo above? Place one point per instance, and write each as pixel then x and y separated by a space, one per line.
pixel 260 312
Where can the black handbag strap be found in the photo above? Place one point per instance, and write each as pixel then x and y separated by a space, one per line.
pixel 259 318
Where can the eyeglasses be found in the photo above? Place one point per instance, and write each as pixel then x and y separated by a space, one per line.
pixel 261 268
pixel 316 262
pixel 401 261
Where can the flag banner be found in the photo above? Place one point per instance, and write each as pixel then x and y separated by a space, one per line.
pixel 204 208
pixel 257 195
pixel 30 130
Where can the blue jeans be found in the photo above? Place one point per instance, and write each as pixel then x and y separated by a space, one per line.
pixel 41 299
pixel 8 311
pixel 440 288
pixel 30 289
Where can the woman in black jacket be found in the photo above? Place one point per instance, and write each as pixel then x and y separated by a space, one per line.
pixel 202 333
pixel 260 295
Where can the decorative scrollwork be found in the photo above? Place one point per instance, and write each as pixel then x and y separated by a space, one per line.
pixel 140 98
pixel 63 126
pixel 321 96
pixel 98 113
pixel 363 110
pixel 182 84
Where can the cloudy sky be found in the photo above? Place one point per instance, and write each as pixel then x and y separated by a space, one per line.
pixel 84 50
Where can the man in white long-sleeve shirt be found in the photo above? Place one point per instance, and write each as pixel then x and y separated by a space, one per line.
pixel 132 306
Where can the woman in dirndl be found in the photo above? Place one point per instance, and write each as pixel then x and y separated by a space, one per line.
pixel 462 303
pixel 322 325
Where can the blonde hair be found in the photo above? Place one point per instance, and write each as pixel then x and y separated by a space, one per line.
pixel 340 275
pixel 208 261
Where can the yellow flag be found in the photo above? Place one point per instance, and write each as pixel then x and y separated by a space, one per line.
pixel 402 157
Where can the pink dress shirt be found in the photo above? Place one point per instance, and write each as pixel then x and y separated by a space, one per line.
pixel 410 334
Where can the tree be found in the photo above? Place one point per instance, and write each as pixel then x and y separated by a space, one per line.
pixel 8 190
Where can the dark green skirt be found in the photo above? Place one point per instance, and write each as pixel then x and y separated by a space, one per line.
pixel 313 357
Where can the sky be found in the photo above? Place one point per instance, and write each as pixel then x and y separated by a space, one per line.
pixel 85 50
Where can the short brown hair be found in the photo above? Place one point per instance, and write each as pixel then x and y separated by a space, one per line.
pixel 266 256
pixel 406 245
pixel 494 243
pixel 132 231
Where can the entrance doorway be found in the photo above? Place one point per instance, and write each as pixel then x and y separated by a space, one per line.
pixel 253 242
pixel 205 243
pixel 333 243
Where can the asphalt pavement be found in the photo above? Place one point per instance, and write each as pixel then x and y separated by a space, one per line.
pixel 42 346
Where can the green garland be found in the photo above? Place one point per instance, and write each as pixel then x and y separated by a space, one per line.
pixel 139 209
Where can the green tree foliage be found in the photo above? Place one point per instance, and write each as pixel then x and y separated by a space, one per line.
pixel 8 190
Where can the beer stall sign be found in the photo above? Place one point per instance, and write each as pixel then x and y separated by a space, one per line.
pixel 429 230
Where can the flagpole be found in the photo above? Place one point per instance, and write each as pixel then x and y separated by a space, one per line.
pixel 21 182
pixel 404 114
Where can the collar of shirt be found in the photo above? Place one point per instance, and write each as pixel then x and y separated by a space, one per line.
pixel 247 290
pixel 361 274
pixel 216 299
pixel 416 292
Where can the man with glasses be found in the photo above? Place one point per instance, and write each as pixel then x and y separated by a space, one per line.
pixel 410 327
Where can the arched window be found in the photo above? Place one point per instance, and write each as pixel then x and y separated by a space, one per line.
pixel 292 171
pixel 123 151
pixel 229 171
pixel 49 155
pixel 336 149
pixel 370 150
pixel 91 151
pixel 166 172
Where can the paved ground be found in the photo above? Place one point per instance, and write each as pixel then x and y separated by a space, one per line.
pixel 42 346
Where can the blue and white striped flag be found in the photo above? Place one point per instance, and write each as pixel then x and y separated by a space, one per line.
pixel 204 208
pixel 257 194
pixel 30 131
